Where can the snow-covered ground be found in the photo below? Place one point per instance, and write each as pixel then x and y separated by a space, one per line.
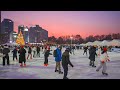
pixel 35 68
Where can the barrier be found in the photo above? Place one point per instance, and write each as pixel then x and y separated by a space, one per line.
pixel 115 50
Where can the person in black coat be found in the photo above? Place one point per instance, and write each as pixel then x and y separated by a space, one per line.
pixel 85 50
pixel 15 53
pixel 38 51
pixel 92 55
pixel 65 62
pixel 29 53
pixel 5 51
pixel 46 55
pixel 22 56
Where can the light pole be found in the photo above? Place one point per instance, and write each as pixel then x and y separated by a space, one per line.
pixel 71 40
pixel 15 37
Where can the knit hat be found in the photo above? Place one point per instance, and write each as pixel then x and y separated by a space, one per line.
pixel 22 46
pixel 105 49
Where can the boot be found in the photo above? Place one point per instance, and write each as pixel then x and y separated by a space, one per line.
pixel 25 65
pixel 97 70
pixel 93 64
pixel 56 70
pixel 104 73
pixel 47 64
pixel 60 72
pixel 21 64
pixel 65 78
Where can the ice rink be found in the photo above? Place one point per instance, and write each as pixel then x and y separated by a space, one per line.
pixel 35 68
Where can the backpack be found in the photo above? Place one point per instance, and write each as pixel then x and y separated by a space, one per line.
pixel 55 53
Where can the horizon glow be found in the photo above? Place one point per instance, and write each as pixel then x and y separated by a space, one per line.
pixel 62 23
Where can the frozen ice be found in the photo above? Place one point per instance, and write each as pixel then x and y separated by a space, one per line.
pixel 35 68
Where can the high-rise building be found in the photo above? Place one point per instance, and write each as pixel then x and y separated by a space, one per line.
pixel 37 34
pixel 26 34
pixel 7 27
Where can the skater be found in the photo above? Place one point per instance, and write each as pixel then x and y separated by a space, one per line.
pixel 65 62
pixel 22 56
pixel 85 50
pixel 58 58
pixel 60 47
pixel 92 56
pixel 38 51
pixel 46 55
pixel 29 53
pixel 34 51
pixel 99 51
pixel 15 53
pixel 73 48
pixel 103 59
pixel 5 51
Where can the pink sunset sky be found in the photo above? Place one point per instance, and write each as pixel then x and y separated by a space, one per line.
pixel 60 23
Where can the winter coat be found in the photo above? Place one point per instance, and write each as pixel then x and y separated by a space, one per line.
pixel 29 50
pixel 6 50
pixel 99 51
pixel 34 49
pixel 66 59
pixel 47 53
pixel 59 56
pixel 22 56
pixel 38 49
pixel 14 52
pixel 92 54
pixel 85 49
pixel 104 57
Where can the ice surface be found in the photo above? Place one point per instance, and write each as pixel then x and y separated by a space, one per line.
pixel 35 68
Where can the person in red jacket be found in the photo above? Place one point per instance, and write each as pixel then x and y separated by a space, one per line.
pixel 103 59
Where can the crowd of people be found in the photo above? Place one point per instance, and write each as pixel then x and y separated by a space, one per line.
pixel 61 59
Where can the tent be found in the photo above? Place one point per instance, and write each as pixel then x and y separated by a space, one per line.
pixel 105 43
pixel 115 42
pixel 96 43
pixel 89 43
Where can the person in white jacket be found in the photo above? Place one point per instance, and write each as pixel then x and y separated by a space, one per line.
pixel 103 59
pixel 99 51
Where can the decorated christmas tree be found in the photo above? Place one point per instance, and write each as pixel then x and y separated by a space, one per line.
pixel 20 39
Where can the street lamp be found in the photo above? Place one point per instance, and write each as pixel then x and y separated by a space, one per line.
pixel 71 40
pixel 15 36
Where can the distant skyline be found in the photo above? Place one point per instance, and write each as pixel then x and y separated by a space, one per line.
pixel 61 23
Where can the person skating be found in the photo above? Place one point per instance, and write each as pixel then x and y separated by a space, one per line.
pixel 99 51
pixel 22 56
pixel 15 53
pixel 29 53
pixel 58 58
pixel 73 48
pixel 46 55
pixel 103 59
pixel 85 50
pixel 92 56
pixel 38 51
pixel 34 51
pixel 5 51
pixel 65 62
